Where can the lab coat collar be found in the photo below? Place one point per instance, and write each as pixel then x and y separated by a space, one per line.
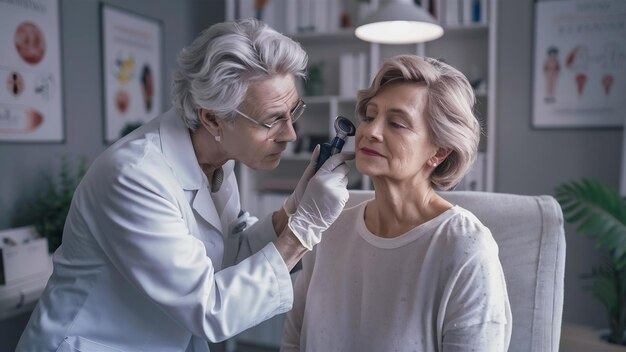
pixel 179 152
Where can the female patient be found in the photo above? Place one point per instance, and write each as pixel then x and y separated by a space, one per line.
pixel 408 270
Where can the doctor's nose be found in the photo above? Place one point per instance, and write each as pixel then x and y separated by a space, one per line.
pixel 287 132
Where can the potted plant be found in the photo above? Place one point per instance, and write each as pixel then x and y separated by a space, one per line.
pixel 600 213
pixel 314 85
pixel 49 206
pixel 129 127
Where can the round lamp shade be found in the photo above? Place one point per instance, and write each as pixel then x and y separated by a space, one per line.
pixel 399 22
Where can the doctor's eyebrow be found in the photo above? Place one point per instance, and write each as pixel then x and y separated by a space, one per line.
pixel 279 114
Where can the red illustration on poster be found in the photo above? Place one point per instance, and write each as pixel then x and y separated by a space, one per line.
pixel 29 42
pixel 132 70
pixel 580 63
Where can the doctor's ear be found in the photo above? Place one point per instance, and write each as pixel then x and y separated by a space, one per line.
pixel 209 121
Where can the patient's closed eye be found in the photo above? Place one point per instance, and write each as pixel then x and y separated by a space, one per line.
pixel 395 124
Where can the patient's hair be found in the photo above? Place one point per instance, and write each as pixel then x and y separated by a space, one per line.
pixel 448 112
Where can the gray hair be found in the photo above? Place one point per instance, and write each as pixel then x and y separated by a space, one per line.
pixel 217 68
pixel 449 117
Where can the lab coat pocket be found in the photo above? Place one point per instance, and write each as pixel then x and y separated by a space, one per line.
pixel 81 344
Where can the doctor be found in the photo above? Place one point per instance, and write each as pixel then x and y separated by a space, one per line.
pixel 153 256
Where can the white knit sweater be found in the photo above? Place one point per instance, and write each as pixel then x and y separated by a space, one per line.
pixel 438 287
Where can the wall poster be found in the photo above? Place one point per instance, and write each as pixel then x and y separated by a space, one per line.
pixel 580 63
pixel 132 70
pixel 31 108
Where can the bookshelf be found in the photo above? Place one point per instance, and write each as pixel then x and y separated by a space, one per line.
pixel 468 44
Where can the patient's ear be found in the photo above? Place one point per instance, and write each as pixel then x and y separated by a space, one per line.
pixel 441 155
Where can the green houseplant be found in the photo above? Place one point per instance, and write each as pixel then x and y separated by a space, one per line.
pixel 49 206
pixel 314 85
pixel 600 213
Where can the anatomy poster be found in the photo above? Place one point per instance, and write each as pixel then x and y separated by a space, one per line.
pixel 132 70
pixel 580 63
pixel 30 72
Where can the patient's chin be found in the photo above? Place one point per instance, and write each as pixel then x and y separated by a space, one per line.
pixel 364 167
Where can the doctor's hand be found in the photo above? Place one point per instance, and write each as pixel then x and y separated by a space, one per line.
pixel 291 203
pixel 322 200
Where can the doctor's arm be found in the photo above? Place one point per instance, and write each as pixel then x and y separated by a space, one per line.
pixel 280 217
pixel 321 202
pixel 137 222
pixel 242 244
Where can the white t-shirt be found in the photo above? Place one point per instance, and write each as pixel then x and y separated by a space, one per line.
pixel 438 287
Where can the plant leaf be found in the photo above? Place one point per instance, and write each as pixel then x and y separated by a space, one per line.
pixel 49 206
pixel 599 211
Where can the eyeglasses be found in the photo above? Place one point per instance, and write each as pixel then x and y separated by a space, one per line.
pixel 277 124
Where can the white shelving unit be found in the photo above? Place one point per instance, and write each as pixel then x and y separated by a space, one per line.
pixel 470 47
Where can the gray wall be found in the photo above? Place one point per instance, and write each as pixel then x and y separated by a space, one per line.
pixel 82 89
pixel 82 86
pixel 535 161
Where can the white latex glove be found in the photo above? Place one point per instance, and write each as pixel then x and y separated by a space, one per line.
pixel 291 203
pixel 322 201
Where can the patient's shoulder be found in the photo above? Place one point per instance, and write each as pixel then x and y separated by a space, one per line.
pixel 464 233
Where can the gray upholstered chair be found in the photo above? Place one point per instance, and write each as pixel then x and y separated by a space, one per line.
pixel 530 236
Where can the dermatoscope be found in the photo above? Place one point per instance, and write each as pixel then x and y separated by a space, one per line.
pixel 344 128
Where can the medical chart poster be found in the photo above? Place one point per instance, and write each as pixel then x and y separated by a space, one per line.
pixel 31 101
pixel 132 70
pixel 579 63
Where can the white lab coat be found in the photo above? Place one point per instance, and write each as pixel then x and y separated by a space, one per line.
pixel 143 245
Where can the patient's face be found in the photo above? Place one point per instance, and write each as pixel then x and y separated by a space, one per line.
pixel 392 139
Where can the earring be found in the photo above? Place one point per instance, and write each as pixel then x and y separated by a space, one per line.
pixel 434 164
pixel 218 138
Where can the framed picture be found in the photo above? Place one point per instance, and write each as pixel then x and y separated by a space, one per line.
pixel 579 63
pixel 132 70
pixel 31 108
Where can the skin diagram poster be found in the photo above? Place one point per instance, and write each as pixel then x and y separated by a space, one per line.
pixel 580 63
pixel 30 72
pixel 131 69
